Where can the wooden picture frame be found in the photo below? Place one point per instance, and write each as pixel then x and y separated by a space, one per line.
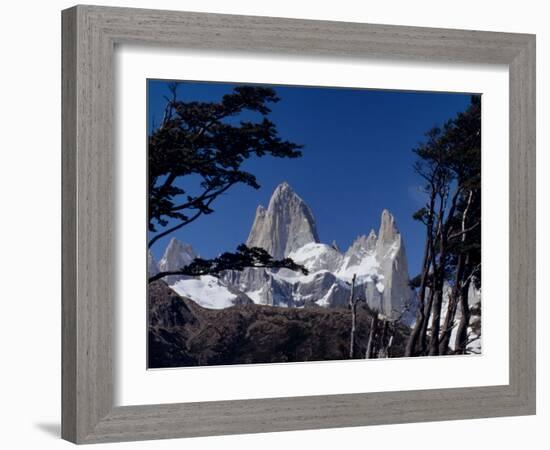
pixel 90 34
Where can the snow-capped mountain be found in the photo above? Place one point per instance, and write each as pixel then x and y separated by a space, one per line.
pixel 287 229
pixel 208 291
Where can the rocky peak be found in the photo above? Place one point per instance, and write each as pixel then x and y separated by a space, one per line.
pixel 283 189
pixel 152 266
pixel 287 224
pixel 176 256
pixel 390 250
pixel 388 229
pixel 362 245
pixel 372 236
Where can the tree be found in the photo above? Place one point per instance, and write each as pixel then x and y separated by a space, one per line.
pixel 197 154
pixel 450 164
pixel 432 172
pixel 353 301
pixel 465 226
pixel 370 352
pixel 466 229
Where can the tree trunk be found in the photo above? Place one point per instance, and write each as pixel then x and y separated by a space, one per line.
pixel 437 286
pixel 423 339
pixel 353 307
pixel 448 323
pixel 454 301
pixel 459 279
pixel 371 344
pixel 462 332
pixel 451 309
pixel 412 343
pixel 436 320
pixel 439 274
pixel 388 348
pixel 423 343
pixel 383 342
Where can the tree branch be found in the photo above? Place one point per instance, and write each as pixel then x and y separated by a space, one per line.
pixel 245 257
pixel 472 274
pixel 467 230
pixel 206 195
pixel 199 213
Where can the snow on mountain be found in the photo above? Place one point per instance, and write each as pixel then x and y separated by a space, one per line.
pixel 317 257
pixel 360 260
pixel 207 291
pixel 287 229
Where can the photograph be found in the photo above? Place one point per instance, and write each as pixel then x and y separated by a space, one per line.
pixel 258 225
pixel 293 224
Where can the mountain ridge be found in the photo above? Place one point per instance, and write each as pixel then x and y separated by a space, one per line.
pixel 287 228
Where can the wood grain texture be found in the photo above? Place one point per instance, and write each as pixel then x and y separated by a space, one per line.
pixel 89 36
pixel 523 224
pixel 68 225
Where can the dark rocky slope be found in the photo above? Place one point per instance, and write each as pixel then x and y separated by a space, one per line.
pixel 182 333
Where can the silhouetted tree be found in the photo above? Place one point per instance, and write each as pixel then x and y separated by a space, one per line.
pixel 206 144
pixel 450 164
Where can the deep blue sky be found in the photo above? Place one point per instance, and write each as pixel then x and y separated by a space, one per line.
pixel 357 160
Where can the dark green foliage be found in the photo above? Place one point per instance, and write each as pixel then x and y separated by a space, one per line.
pixel 206 144
pixel 422 215
pixel 449 162
pixel 244 257
pixel 414 282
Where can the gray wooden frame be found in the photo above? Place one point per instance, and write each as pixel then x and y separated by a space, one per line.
pixel 90 34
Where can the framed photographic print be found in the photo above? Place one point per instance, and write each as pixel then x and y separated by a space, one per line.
pixel 268 222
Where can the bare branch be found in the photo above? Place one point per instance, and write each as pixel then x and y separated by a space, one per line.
pixel 463 232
